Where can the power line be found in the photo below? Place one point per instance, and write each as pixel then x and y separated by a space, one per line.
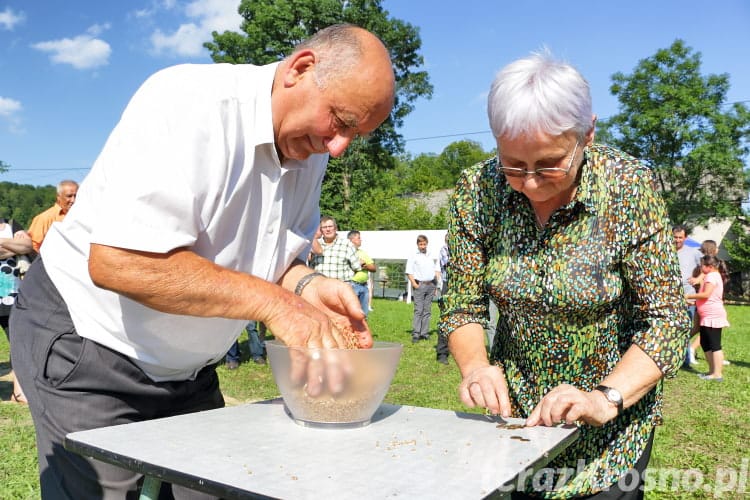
pixel 447 135
pixel 489 131
pixel 46 169
pixel 462 134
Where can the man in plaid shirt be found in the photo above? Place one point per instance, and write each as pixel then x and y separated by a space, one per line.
pixel 333 256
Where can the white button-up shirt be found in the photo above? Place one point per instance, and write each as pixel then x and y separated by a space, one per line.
pixel 192 163
pixel 423 266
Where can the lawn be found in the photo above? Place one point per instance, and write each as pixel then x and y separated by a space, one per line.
pixel 699 452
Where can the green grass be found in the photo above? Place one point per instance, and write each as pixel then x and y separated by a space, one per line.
pixel 705 431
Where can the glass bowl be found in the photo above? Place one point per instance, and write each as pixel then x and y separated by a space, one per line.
pixel 338 388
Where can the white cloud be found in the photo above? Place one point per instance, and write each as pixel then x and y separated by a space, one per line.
pixel 98 29
pixel 8 106
pixel 207 16
pixel 142 13
pixel 81 52
pixel 9 109
pixel 8 19
pixel 156 6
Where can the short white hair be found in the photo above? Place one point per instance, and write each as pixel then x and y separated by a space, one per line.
pixel 339 50
pixel 67 182
pixel 539 94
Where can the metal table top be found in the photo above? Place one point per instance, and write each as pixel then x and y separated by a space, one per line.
pixel 257 450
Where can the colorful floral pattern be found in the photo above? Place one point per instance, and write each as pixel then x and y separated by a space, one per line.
pixel 573 297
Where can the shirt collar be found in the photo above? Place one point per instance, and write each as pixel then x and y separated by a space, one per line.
pixel 263 130
pixel 592 190
pixel 264 133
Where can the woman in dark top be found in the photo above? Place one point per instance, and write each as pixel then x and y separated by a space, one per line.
pixel 572 243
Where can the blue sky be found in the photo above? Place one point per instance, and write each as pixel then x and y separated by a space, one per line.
pixel 67 69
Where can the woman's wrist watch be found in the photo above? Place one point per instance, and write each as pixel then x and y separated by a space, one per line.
pixel 613 396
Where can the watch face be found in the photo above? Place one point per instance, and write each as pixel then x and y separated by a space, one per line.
pixel 614 395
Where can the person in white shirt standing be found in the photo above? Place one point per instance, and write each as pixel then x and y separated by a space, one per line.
pixel 195 219
pixel 689 258
pixel 423 272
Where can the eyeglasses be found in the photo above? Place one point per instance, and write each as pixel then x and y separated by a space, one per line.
pixel 545 172
pixel 327 227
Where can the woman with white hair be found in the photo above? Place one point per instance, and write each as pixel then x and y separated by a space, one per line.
pixel 569 239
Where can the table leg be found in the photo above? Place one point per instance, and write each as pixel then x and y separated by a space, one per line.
pixel 150 489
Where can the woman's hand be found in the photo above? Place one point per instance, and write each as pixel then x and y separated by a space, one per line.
pixel 567 404
pixel 485 387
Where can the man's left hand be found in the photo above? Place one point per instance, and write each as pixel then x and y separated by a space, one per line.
pixel 337 300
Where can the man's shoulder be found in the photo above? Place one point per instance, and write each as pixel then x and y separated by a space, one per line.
pixel 205 83
pixel 364 255
pixel 686 250
pixel 50 212
pixel 694 252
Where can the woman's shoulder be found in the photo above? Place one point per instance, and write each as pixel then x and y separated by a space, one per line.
pixel 618 163
pixel 617 178
pixel 482 177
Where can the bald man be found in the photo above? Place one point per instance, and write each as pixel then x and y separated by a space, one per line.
pixel 194 220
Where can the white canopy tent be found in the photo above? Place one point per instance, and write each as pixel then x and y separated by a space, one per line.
pixel 398 246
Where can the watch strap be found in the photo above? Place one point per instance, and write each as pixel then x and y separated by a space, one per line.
pixel 305 280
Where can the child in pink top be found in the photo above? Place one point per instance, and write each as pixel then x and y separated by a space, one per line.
pixel 713 316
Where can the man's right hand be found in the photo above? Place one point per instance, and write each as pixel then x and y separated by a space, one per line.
pixel 331 313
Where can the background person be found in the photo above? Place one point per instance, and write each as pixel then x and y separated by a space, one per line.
pixel 67 191
pixel 571 242
pixel 192 221
pixel 423 272
pixel 256 344
pixel 360 280
pixel 713 316
pixel 708 247
pixel 332 256
pixel 689 258
pixel 15 244
pixel 370 291
pixel 441 347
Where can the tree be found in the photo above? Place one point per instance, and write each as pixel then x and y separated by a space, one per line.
pixel 386 210
pixel 273 27
pixel 739 248
pixel 671 118
pixel 3 166
pixel 22 202
pixel 458 156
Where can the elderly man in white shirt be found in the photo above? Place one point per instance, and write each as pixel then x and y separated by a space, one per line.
pixel 193 221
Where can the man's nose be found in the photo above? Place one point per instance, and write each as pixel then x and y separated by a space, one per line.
pixel 338 144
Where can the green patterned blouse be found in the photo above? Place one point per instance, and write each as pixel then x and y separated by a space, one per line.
pixel 600 276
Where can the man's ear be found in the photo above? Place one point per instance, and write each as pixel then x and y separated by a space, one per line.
pixel 300 65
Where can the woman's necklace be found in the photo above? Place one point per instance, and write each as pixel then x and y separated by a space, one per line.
pixel 538 220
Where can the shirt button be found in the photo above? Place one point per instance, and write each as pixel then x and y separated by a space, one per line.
pixel 271 230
